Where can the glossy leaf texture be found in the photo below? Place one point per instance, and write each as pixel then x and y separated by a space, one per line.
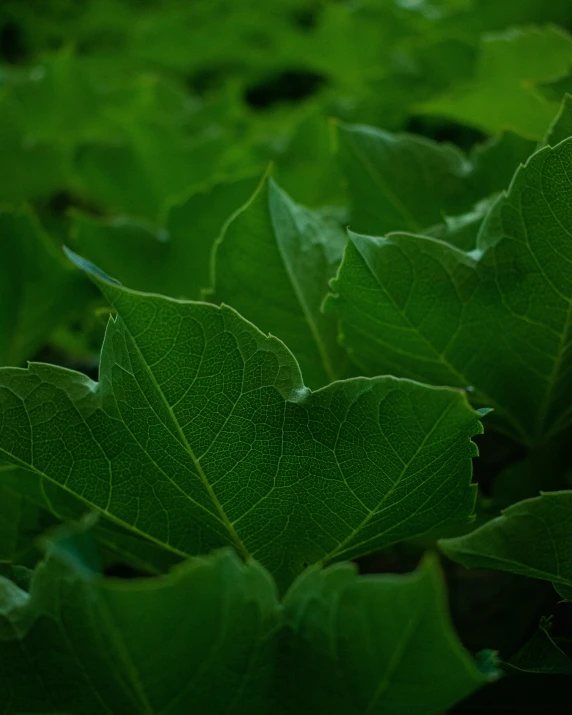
pixel 36 286
pixel 201 433
pixel 272 264
pixel 532 537
pixel 496 320
pixel 222 642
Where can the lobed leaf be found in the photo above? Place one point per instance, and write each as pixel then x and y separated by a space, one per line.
pixel 532 538
pixel 201 433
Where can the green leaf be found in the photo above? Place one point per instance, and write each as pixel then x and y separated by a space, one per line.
pixel 561 127
pixel 201 433
pixel 497 320
pixel 532 538
pixel 541 654
pixel 35 287
pixel 272 264
pixel 47 502
pixel 173 260
pixel 217 640
pixel 403 182
pixel 20 523
pixel 504 93
pixel 400 181
pixel 375 644
pixel 75 642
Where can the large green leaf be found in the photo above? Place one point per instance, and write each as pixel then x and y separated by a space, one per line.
pixel 36 286
pixel 217 640
pixel 504 93
pixel 273 264
pixel 497 320
pixel 532 538
pixel 361 643
pixel 200 433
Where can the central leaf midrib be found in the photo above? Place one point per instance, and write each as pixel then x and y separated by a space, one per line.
pixel 185 443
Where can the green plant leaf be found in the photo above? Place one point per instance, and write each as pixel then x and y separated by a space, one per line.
pixel 504 93
pixel 400 181
pixel 173 260
pixel 532 538
pixel 221 642
pixel 201 433
pixel 363 641
pixel 35 287
pixel 561 127
pixel 272 264
pixel 78 638
pixel 404 182
pixel 47 502
pixel 541 654
pixel 497 320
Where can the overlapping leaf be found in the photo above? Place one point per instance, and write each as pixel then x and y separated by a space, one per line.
pixel 532 538
pixel 200 433
pixel 497 320
pixel 220 641
pixel 404 182
pixel 273 264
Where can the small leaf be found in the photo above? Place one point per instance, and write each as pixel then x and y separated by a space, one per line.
pixel 400 181
pixel 272 264
pixel 532 538
pixel 541 654
pixel 561 127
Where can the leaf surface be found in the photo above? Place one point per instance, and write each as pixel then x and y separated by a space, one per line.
pixel 532 538
pixel 221 642
pixel 404 182
pixel 272 264
pixel 497 320
pixel 35 287
pixel 173 260
pixel 504 94
pixel 400 181
pixel 376 644
pixel 201 433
